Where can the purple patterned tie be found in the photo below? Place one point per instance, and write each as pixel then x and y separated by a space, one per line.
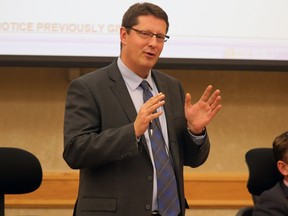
pixel 167 196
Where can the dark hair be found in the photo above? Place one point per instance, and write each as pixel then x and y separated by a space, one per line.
pixel 280 147
pixel 130 18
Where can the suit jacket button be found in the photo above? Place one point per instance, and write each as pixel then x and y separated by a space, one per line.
pixel 150 178
pixel 148 207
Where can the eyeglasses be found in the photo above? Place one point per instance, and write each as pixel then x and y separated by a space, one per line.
pixel 146 35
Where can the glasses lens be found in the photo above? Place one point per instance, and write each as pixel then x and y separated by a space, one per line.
pixel 147 34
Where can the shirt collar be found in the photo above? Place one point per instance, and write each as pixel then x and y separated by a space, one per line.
pixel 131 79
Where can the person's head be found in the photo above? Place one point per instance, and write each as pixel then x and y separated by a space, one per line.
pixel 280 150
pixel 143 33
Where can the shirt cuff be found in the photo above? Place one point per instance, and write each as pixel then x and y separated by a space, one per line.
pixel 198 139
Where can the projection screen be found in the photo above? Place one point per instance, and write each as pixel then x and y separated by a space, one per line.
pixel 221 30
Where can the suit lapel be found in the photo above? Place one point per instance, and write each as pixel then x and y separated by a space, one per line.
pixel 119 88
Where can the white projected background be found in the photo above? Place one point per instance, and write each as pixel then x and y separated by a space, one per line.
pixel 206 29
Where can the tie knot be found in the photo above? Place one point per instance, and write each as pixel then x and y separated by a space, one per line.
pixel 144 85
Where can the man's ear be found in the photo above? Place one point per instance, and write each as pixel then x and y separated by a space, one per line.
pixel 123 35
pixel 282 167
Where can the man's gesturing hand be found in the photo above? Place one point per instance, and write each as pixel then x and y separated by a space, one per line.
pixel 147 113
pixel 198 115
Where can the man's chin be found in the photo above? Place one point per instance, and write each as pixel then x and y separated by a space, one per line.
pixel 150 63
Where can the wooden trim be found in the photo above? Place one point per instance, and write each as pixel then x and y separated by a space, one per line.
pixel 214 190
pixel 209 190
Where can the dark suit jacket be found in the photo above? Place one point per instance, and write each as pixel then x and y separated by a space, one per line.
pixel 273 202
pixel 116 173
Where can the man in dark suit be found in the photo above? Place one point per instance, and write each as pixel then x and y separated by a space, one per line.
pixel 274 202
pixel 106 125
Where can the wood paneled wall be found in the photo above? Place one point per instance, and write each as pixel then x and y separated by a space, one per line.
pixel 59 190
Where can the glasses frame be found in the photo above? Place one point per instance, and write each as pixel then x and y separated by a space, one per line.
pixel 147 34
